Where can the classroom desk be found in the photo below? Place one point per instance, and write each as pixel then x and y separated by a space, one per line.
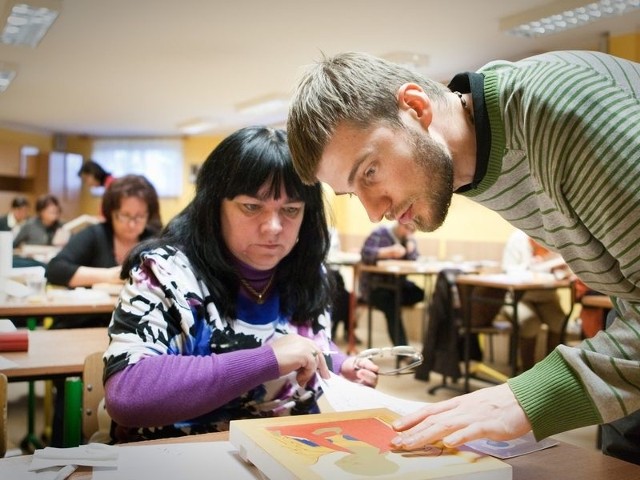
pixel 597 301
pixel 392 272
pixel 52 354
pixel 57 306
pixel 563 461
pixel 517 285
pixel 55 353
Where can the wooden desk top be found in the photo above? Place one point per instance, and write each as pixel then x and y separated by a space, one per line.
pixel 598 301
pixel 414 267
pixel 58 305
pixel 343 258
pixel 564 461
pixel 530 281
pixel 55 353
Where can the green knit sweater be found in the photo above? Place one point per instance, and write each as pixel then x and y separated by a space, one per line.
pixel 564 167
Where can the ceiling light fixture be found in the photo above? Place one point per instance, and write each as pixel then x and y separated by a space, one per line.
pixel 413 60
pixel 26 22
pixel 562 15
pixel 8 72
pixel 270 109
pixel 197 126
pixel 266 105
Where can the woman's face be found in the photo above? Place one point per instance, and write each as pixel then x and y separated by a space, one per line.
pixel 89 180
pixel 49 214
pixel 260 231
pixel 130 219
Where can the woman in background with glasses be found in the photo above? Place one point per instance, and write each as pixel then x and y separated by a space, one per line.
pixel 95 254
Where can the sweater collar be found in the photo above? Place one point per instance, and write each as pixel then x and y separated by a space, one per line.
pixel 256 278
pixel 470 82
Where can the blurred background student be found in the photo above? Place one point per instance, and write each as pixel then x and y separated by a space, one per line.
pixel 95 253
pixel 16 217
pixel 43 226
pixel 537 307
pixel 390 242
pixel 93 175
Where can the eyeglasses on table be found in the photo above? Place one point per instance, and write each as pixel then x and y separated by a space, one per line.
pixel 399 352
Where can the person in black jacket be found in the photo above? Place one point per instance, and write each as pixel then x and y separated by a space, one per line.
pixel 12 221
pixel 94 254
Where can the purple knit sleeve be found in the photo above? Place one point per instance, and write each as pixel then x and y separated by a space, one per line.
pixel 165 389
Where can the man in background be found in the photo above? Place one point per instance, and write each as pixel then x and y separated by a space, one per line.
pixel 17 216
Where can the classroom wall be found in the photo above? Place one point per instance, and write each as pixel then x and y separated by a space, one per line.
pixel 625 46
pixel 466 221
pixel 196 150
pixel 39 140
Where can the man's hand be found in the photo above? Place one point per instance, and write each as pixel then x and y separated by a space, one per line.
pixel 492 413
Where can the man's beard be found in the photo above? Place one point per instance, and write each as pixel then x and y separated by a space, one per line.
pixel 437 166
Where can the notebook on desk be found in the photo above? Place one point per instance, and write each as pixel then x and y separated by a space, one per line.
pixel 351 445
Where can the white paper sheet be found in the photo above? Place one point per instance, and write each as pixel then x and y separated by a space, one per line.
pixel 5 363
pixel 15 468
pixel 344 396
pixel 6 253
pixel 92 455
pixel 184 461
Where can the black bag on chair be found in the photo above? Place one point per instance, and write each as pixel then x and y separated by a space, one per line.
pixel 443 346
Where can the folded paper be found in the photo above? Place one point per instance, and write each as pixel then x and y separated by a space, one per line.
pixel 91 455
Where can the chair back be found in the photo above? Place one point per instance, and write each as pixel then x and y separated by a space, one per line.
pixel 92 394
pixel 3 414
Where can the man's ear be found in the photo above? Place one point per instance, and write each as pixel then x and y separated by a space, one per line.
pixel 412 99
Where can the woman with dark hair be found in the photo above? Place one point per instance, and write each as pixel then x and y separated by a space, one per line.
pixel 225 315
pixel 41 229
pixel 93 175
pixel 17 216
pixel 95 254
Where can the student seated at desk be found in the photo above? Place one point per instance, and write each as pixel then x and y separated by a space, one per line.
pixel 225 315
pixel 395 242
pixel 95 254
pixel 43 227
pixel 16 217
pixel 537 307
